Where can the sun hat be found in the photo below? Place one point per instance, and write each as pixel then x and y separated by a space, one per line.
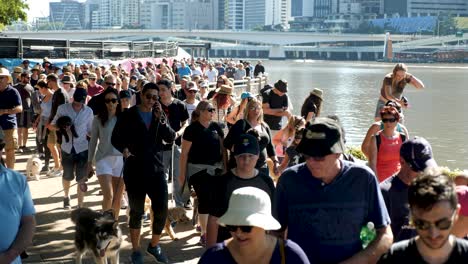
pixel 249 206
pixel 245 95
pixel 36 67
pixel 67 79
pixel 18 70
pixel 92 75
pixel 6 72
pixel 322 137
pixel 317 92
pixel 224 89
pixel 282 86
pixel 417 152
pixel 246 144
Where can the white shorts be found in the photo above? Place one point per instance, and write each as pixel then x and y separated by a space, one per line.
pixel 110 165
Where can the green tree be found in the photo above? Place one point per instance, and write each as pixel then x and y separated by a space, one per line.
pixel 12 10
pixel 446 25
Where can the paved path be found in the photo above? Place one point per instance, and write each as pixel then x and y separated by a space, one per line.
pixel 53 241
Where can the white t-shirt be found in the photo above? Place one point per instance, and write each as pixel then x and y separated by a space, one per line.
pixel 191 108
pixel 211 75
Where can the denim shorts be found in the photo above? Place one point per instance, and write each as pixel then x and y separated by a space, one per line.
pixel 75 164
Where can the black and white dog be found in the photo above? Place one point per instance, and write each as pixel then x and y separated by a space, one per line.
pixel 96 232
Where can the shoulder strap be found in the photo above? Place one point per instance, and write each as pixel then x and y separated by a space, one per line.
pixel 377 140
pixel 403 137
pixel 282 252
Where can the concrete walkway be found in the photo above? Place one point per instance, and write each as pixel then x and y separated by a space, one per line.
pixel 53 241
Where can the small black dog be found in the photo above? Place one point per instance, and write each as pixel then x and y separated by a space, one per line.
pixel 63 123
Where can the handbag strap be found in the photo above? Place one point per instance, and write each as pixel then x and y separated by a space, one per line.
pixel 282 253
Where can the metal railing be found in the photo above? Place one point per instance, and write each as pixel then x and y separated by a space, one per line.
pixel 84 49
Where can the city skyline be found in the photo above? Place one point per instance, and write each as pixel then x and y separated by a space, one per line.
pixel 40 8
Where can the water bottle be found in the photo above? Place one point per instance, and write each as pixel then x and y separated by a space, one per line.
pixel 368 234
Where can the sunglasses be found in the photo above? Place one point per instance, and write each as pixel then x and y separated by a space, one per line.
pixel 109 83
pixel 391 120
pixel 113 100
pixel 442 224
pixel 244 229
pixel 152 97
pixel 192 91
pixel 211 110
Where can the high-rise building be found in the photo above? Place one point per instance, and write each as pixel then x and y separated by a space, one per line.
pixel 234 18
pixel 297 8
pixel 131 13
pixel 255 14
pixel 360 6
pixel 436 7
pixel 396 7
pixel 66 15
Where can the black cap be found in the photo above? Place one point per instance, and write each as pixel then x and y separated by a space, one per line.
pixel 124 94
pixel 80 95
pixel 246 144
pixel 322 137
pixel 282 86
pixel 417 152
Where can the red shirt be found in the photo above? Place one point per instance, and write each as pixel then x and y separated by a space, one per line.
pixel 93 90
pixel 388 157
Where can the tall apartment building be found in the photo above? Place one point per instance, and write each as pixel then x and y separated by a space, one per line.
pixel 360 6
pixel 67 14
pixel 248 14
pixel 234 18
pixel 131 12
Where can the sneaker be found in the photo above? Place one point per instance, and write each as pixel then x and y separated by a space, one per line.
pixel 156 252
pixel 21 149
pixel 66 203
pixel 137 257
pixel 56 173
pixel 45 168
pixel 202 241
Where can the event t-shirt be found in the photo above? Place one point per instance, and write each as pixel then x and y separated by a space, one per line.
pixel 176 113
pixel 15 202
pixel 206 143
pixel 276 102
pixel 326 219
pixel 407 252
pixel 294 156
pixel 9 99
pixel 395 194
pixel 219 253
pixel 223 186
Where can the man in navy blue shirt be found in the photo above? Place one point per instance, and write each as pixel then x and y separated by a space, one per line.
pixel 10 105
pixel 325 201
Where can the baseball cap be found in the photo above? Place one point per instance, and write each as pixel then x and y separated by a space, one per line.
pixel 282 86
pixel 246 144
pixel 204 84
pixel 80 95
pixel 245 95
pixel 192 86
pixel 322 137
pixel 417 152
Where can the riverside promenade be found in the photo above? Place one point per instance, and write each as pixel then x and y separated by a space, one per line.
pixel 53 240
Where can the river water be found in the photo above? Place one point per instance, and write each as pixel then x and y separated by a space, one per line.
pixel 438 113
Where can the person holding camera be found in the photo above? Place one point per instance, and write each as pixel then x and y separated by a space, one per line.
pixel 393 85
pixel 139 134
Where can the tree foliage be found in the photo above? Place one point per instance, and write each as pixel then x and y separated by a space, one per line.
pixel 12 10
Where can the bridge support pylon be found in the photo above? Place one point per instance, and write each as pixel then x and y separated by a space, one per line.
pixel 277 53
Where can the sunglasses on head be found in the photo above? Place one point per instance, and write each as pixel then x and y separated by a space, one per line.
pixel 152 97
pixel 109 83
pixel 113 100
pixel 442 224
pixel 211 110
pixel 391 120
pixel 192 91
pixel 245 229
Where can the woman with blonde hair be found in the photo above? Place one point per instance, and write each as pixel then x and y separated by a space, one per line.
pixel 253 124
pixel 285 137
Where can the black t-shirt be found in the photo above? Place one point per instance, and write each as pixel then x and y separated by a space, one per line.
pixel 25 92
pixel 395 194
pixel 276 102
pixel 223 186
pixel 229 72
pixel 407 252
pixel 176 113
pixel 294 156
pixel 206 143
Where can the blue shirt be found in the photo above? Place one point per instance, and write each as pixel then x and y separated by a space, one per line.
pixel 15 202
pixel 146 117
pixel 9 99
pixel 326 219
pixel 184 71
pixel 220 254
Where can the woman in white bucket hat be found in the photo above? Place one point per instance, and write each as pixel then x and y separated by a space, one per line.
pixel 247 218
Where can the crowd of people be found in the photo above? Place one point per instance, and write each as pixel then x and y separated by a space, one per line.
pixel 267 191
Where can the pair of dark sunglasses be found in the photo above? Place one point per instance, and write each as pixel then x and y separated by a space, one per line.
pixel 443 224
pixel 244 229
pixel 391 120
pixel 211 110
pixel 113 100
pixel 109 83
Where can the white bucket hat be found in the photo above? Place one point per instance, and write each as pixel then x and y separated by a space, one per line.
pixel 249 206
